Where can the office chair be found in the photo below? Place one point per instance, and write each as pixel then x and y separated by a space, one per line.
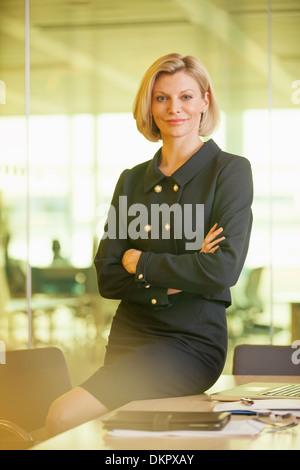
pixel 253 302
pixel 30 381
pixel 246 304
pixel 264 360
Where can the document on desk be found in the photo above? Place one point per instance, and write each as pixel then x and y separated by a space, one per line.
pixel 233 428
pixel 283 405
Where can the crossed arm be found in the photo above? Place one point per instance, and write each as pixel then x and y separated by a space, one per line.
pixel 210 245
pixel 132 275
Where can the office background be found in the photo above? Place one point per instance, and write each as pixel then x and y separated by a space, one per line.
pixel 69 70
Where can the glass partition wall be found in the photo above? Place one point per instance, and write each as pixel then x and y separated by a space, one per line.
pixel 68 76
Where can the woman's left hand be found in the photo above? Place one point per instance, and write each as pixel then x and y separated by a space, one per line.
pixel 210 244
pixel 130 260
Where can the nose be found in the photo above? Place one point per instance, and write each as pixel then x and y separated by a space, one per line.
pixel 174 106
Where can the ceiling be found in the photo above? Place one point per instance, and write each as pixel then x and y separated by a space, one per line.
pixel 88 56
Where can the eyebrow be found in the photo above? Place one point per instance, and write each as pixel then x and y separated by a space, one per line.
pixel 183 91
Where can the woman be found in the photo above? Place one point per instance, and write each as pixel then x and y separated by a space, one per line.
pixel 169 335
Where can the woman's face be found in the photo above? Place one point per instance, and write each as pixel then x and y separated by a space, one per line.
pixel 177 105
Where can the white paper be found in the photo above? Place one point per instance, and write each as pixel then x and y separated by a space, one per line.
pixel 262 405
pixel 233 428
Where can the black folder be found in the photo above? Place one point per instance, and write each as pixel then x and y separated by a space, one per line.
pixel 166 420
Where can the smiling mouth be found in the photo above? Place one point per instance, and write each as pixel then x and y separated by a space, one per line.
pixel 176 121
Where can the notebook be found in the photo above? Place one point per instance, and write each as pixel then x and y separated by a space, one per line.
pixel 166 420
pixel 259 390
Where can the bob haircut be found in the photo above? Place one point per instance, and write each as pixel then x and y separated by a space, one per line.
pixel 171 64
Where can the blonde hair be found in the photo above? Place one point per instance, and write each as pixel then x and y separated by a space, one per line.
pixel 171 64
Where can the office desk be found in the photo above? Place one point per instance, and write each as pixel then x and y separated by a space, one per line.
pixel 90 436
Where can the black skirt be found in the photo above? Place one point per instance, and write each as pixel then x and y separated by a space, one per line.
pixel 159 353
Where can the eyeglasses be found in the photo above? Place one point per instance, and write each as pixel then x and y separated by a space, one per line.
pixel 278 422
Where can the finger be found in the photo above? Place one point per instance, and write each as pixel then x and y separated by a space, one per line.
pixel 208 246
pixel 212 229
pixel 214 242
pixel 213 250
pixel 211 235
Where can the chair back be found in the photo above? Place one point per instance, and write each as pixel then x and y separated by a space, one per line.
pixel 30 381
pixel 252 289
pixel 264 360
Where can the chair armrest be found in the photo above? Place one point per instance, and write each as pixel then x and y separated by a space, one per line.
pixel 16 430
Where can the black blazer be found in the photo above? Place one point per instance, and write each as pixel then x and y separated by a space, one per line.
pixel 223 184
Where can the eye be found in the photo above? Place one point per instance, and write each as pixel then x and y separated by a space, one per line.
pixel 161 98
pixel 186 97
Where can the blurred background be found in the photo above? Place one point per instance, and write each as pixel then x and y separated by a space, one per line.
pixel 69 71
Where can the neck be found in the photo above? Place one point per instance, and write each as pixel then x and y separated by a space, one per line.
pixel 175 153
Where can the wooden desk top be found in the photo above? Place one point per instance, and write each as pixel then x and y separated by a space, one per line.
pixel 91 436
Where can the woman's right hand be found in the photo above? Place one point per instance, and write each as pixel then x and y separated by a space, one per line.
pixel 210 244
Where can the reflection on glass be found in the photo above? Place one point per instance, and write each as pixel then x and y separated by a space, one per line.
pixel 13 304
pixel 86 63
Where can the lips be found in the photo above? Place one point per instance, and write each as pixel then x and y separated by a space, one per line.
pixel 176 121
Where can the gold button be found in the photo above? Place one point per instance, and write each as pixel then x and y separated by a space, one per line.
pixel 147 228
pixel 175 187
pixel 158 188
pixel 154 301
pixel 147 286
pixel 141 276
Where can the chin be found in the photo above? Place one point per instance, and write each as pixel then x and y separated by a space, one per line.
pixel 176 133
